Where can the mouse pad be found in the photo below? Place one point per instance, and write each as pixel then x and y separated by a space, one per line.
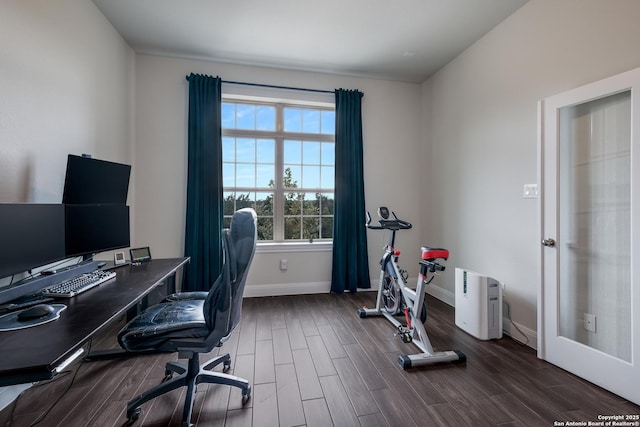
pixel 10 322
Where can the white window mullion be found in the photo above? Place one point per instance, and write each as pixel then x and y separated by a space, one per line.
pixel 278 196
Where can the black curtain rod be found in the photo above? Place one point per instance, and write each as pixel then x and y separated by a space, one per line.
pixel 275 86
pixel 279 87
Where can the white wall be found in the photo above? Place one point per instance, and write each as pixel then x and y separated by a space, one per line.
pixel 66 86
pixel 480 133
pixel 391 121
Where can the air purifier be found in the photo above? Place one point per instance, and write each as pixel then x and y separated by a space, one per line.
pixel 478 304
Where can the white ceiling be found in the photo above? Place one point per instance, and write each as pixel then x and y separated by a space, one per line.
pixel 366 38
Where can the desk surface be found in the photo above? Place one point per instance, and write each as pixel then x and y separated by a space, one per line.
pixel 35 352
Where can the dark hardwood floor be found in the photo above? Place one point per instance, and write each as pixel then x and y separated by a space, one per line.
pixel 313 362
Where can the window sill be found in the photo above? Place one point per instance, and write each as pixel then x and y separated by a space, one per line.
pixel 294 247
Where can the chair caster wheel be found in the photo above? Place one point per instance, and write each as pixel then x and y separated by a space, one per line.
pixel 226 366
pixel 134 415
pixel 167 375
pixel 246 395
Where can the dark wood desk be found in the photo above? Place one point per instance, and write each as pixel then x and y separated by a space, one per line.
pixel 32 354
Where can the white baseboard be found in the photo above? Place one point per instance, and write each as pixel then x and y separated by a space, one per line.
pixel 443 295
pixel 279 289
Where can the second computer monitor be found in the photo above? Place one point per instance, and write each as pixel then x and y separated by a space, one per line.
pixel 91 229
pixel 93 181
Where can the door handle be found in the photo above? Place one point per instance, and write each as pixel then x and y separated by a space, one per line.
pixel 548 242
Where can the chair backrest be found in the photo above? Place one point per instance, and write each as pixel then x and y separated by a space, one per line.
pixel 244 236
pixel 238 245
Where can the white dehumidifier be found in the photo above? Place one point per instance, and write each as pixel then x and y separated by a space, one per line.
pixel 478 305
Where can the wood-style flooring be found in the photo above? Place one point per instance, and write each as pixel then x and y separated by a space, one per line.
pixel 313 362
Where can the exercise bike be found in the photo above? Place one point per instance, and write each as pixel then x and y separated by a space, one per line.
pixel 396 298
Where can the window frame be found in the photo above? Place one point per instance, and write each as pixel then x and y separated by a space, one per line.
pixel 279 136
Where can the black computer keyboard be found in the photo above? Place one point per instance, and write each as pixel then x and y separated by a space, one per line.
pixel 77 285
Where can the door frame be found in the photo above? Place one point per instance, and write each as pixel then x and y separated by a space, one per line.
pixel 629 80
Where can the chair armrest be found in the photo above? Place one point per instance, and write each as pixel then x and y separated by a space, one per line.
pixel 187 296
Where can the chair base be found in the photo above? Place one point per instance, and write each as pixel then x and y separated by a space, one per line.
pixel 181 368
pixel 190 376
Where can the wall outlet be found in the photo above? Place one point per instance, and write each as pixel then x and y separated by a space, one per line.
pixel 589 322
pixel 284 264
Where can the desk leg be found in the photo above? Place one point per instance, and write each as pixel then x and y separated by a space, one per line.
pixel 171 284
pixel 133 312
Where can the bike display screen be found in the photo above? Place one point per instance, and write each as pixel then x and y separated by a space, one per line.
pixel 383 212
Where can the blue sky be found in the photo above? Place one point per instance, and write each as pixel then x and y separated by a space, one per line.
pixel 252 161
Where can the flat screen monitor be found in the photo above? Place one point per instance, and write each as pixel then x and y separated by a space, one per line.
pixel 91 229
pixel 93 181
pixel 31 235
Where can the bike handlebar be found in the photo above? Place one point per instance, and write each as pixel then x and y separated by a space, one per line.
pixel 388 224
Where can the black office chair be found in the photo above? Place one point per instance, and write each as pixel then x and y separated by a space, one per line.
pixel 193 326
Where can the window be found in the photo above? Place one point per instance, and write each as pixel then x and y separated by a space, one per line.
pixel 278 158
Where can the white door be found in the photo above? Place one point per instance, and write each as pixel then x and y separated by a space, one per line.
pixel 590 233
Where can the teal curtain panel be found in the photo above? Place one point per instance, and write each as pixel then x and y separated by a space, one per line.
pixel 204 183
pixel 350 260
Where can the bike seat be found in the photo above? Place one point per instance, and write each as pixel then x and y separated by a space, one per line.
pixel 430 254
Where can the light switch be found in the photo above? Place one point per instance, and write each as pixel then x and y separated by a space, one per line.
pixel 530 191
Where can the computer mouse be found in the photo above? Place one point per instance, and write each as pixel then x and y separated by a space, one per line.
pixel 35 312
